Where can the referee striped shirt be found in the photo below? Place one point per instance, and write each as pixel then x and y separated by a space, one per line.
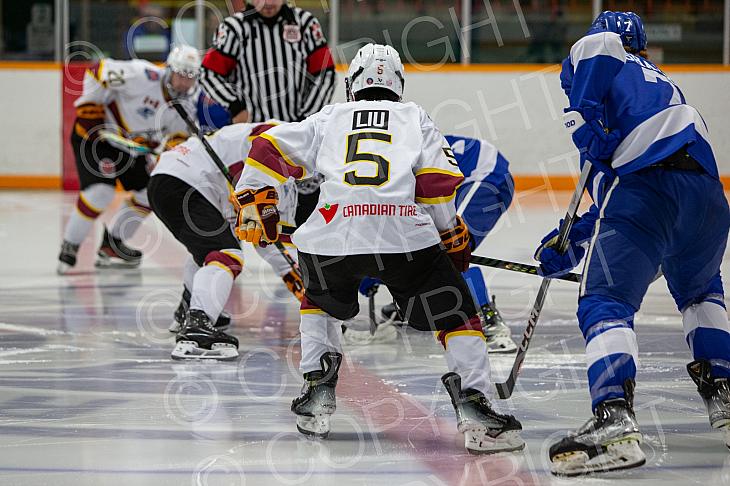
pixel 276 68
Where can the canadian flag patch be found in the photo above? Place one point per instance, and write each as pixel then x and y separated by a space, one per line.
pixel 328 212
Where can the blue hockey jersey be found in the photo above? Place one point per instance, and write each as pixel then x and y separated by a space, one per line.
pixel 478 160
pixel 639 100
pixel 487 189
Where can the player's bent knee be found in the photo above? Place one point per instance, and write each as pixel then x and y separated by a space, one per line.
pixel 596 313
pixel 93 200
pixel 229 260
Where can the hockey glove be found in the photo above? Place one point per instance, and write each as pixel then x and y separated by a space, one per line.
pixel 295 284
pixel 456 244
pixel 368 285
pixel 552 262
pixel 258 217
pixel 589 135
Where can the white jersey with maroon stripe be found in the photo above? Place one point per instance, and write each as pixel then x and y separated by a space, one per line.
pixel 134 101
pixel 389 176
pixel 190 163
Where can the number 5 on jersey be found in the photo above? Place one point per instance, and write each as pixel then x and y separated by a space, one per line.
pixel 354 155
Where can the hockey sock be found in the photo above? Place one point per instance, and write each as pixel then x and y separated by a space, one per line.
pixel 466 355
pixel 91 202
pixel 320 333
pixel 131 216
pixel 611 348
pixel 708 334
pixel 190 268
pixel 477 286
pixel 212 283
pixel 273 257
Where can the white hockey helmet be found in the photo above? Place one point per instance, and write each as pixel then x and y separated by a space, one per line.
pixel 184 61
pixel 375 66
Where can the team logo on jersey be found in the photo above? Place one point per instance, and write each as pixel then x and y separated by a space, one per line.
pixel 146 112
pixel 369 81
pixel 221 36
pixel 316 30
pixel 107 167
pixel 328 212
pixel 152 75
pixel 370 119
pixel 292 33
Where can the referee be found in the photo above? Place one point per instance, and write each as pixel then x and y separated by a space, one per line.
pixel 269 61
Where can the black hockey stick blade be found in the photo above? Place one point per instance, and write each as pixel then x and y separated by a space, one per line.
pixel 505 389
pixel 519 267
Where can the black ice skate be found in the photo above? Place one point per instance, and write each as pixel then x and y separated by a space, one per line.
pixel 499 336
pixel 317 401
pixel 715 392
pixel 607 442
pixel 392 314
pixel 485 431
pixel 67 257
pixel 199 339
pixel 178 319
pixel 114 253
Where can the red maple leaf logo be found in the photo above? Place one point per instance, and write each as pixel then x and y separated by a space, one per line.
pixel 328 212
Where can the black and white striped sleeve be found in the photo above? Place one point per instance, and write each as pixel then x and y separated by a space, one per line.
pixel 320 75
pixel 218 70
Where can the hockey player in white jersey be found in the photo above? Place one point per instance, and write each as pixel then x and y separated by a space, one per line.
pixel 191 196
pixel 385 210
pixel 122 116
pixel 659 203
pixel 480 200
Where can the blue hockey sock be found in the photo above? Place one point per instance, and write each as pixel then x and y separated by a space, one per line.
pixel 478 287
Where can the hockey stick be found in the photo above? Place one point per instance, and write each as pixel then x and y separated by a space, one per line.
pixel 371 310
pixel 224 170
pixel 504 390
pixel 519 267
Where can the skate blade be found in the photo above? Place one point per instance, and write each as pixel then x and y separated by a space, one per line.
pixel 477 441
pixel 383 334
pixel 501 345
pixel 63 268
pixel 189 350
pixel 622 454
pixel 105 261
pixel 317 426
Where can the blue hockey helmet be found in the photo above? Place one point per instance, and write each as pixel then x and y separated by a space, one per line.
pixel 626 24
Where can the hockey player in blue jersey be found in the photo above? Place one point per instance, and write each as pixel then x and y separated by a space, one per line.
pixel 659 205
pixel 482 198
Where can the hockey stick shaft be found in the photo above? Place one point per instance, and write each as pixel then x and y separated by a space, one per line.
pixel 224 170
pixel 505 389
pixel 519 267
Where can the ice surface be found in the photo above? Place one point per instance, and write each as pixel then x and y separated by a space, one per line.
pixel 89 396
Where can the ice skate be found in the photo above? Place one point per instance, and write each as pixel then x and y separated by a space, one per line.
pixel 199 339
pixel 499 336
pixel 67 257
pixel 607 442
pixel 113 253
pixel 485 431
pixel 715 392
pixel 317 401
pixel 178 318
